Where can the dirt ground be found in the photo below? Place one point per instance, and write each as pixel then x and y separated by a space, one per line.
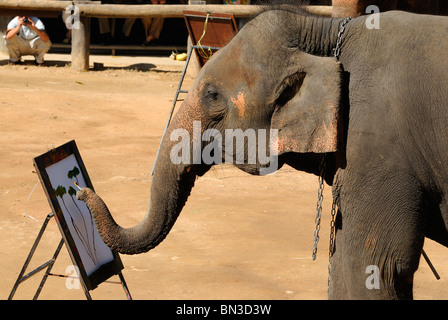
pixel 239 236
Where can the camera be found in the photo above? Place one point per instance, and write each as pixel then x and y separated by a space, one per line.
pixel 26 20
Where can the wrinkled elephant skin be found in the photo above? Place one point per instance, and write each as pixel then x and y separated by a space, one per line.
pixel 377 116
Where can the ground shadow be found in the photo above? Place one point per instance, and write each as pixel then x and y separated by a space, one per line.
pixel 136 67
pixel 96 66
pixel 50 63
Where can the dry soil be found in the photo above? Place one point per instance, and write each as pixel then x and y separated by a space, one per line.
pixel 238 237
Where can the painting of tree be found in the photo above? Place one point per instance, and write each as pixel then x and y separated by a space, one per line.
pixel 66 178
pixel 86 235
pixel 61 171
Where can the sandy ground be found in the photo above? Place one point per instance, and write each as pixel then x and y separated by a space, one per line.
pixel 239 236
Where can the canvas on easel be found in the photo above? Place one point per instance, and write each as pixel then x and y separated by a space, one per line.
pixel 60 171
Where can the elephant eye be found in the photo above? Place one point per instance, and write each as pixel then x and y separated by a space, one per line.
pixel 215 102
pixel 212 94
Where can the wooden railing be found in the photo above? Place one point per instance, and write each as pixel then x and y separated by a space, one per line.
pixel 81 36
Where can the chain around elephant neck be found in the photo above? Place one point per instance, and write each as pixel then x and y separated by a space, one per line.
pixel 320 198
pixel 337 49
pixel 320 192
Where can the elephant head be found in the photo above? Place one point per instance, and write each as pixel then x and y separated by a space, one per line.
pixel 271 85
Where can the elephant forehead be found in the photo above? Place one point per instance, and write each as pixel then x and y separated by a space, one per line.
pixel 235 63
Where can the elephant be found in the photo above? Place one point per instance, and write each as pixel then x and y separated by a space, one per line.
pixel 370 120
pixel 355 8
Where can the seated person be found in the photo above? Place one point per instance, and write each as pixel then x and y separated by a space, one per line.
pixel 27 36
pixel 152 26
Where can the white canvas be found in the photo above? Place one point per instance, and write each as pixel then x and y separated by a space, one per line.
pixel 92 250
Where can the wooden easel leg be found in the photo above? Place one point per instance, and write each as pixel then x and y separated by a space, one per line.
pixel 48 273
pixel 20 278
pixel 49 265
pixel 56 253
pixel 125 287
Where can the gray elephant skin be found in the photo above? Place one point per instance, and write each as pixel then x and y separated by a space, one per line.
pixel 378 115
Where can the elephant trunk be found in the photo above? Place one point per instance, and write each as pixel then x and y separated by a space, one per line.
pixel 170 189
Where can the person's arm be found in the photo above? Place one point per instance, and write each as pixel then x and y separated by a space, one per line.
pixel 11 33
pixel 41 33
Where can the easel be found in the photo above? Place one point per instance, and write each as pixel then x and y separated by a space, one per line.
pixel 49 265
pixel 100 267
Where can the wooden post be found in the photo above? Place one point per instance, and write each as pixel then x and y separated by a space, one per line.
pixel 3 24
pixel 81 45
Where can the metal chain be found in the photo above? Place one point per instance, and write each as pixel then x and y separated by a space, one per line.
pixel 320 198
pixel 337 49
pixel 337 52
pixel 332 240
pixel 332 229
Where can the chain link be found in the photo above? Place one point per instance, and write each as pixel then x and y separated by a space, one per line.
pixel 320 198
pixel 337 52
pixel 332 240
pixel 337 49
pixel 332 229
pixel 317 220
pixel 320 192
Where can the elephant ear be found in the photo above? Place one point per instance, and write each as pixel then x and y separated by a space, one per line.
pixel 308 114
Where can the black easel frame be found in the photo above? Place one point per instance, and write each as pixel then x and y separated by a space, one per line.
pixel 104 270
pixel 49 265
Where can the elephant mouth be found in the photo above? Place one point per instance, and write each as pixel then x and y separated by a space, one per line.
pixel 252 150
pixel 260 170
pixel 196 170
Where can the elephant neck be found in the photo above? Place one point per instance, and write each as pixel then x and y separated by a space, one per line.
pixel 319 35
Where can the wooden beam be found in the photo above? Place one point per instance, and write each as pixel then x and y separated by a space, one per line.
pixel 165 11
pixel 29 13
pixel 34 5
pixel 176 11
pixel 138 11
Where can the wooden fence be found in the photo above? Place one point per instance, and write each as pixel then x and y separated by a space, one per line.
pixel 88 9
